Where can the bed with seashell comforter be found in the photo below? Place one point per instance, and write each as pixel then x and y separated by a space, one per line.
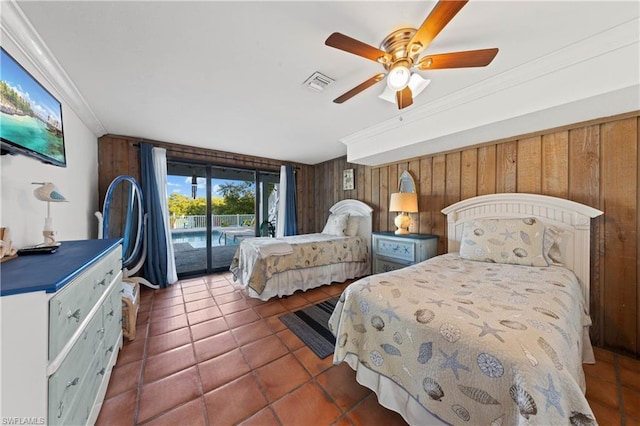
pixel 494 332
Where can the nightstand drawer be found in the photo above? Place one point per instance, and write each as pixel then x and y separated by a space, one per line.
pixel 392 251
pixel 384 265
pixel 395 249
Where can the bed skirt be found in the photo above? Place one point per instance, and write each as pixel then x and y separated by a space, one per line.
pixel 392 396
pixel 287 282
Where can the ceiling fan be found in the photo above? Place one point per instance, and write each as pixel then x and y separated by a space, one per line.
pixel 399 53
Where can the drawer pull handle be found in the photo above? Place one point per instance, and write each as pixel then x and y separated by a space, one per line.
pixel 110 272
pixel 102 282
pixel 60 409
pixel 110 314
pixel 73 382
pixel 75 315
pixel 109 350
pixel 101 372
pixel 101 330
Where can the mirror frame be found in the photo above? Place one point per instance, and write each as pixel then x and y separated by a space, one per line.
pixel 406 183
pixel 135 196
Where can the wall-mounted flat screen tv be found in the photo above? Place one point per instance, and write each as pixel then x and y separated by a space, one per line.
pixel 30 117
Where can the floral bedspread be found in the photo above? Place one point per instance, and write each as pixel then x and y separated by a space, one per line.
pixel 475 343
pixel 308 250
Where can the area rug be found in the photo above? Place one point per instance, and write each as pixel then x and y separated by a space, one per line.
pixel 311 325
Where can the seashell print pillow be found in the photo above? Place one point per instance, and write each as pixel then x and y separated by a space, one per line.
pixel 513 241
pixel 551 245
pixel 336 224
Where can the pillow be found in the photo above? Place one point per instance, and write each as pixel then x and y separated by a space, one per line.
pixel 336 224
pixel 353 224
pixel 551 244
pixel 513 241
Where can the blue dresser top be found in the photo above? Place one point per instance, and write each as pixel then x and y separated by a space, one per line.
pixel 50 272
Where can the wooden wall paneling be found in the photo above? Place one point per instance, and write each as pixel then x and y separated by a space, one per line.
pixel 486 170
pixel 506 167
pixel 307 219
pixel 637 353
pixel 529 170
pixel 375 199
pixel 425 201
pixel 469 174
pixel 414 168
pixel 555 164
pixel 384 200
pixel 453 178
pixel 619 193
pixel 584 187
pixel 438 200
pixel 394 174
pixel 366 195
pixel 360 182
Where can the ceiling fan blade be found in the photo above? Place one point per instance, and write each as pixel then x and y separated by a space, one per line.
pixel 439 17
pixel 404 97
pixel 359 88
pixel 351 45
pixel 469 58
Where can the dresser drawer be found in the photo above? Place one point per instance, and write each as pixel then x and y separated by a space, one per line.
pixel 396 249
pixel 112 319
pixel 70 306
pixel 68 382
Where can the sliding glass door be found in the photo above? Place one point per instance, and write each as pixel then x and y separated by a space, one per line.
pixel 213 208
pixel 233 218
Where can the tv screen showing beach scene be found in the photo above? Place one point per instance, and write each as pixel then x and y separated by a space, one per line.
pixel 30 117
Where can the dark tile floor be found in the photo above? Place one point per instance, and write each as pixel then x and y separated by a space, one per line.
pixel 207 354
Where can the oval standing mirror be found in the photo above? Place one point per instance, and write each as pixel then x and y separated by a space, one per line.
pixel 123 216
pixel 406 182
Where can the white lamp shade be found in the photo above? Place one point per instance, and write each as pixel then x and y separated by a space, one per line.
pixel 416 83
pixel 398 77
pixel 48 192
pixel 404 202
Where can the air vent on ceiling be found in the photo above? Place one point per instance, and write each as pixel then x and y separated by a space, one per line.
pixel 318 81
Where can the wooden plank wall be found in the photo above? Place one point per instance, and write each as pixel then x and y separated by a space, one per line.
pixel 594 163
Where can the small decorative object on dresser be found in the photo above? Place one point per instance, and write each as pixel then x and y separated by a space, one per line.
pixel 391 251
pixel 61 332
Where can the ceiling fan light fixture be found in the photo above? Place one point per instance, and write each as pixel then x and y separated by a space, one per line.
pixel 398 77
pixel 416 83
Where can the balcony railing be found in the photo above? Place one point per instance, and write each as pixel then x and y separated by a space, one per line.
pixel 217 220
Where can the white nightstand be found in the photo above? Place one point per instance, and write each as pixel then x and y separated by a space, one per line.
pixel 391 251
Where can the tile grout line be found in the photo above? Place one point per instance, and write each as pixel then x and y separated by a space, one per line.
pixel 203 403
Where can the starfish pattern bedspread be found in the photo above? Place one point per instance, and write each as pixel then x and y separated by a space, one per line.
pixel 309 250
pixel 473 342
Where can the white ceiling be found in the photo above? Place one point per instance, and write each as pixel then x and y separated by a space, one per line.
pixel 228 75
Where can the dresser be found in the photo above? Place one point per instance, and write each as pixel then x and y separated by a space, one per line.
pixel 61 332
pixel 391 251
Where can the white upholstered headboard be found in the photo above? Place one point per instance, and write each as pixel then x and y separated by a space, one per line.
pixel 574 219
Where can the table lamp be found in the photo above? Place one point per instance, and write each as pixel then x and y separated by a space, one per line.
pixel 48 192
pixel 403 203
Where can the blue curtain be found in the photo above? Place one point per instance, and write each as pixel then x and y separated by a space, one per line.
pixel 290 219
pixel 155 267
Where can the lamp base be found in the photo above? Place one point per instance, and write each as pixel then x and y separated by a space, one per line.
pixel 49 238
pixel 402 222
